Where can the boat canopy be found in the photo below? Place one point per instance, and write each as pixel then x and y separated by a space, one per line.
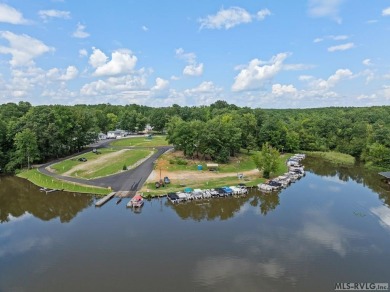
pixel 137 197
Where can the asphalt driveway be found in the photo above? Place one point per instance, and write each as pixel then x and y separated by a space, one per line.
pixel 131 180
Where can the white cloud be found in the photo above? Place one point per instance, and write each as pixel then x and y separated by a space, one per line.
pixel 188 57
pixel 262 14
pixel 161 84
pixel 332 81
pixel 205 93
pixel 9 14
pixel 144 28
pixel 71 73
pixel 83 53
pixel 342 47
pixel 305 77
pixel 226 18
pixel 229 18
pixel 80 32
pixel 339 75
pixel 193 70
pixel 367 62
pixel 255 75
pixel 47 14
pixel 23 48
pixel 331 37
pixel 386 11
pixel 279 89
pixel 97 58
pixel 122 62
pixel 325 8
pixel 204 87
pixel 115 85
pixel 297 67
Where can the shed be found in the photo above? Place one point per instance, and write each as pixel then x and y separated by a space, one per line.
pixel 212 166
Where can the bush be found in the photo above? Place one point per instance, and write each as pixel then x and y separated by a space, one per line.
pixel 178 161
pixel 124 167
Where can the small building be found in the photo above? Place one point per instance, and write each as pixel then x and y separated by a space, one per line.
pixel 386 175
pixel 212 166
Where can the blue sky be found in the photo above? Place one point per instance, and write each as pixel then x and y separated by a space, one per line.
pixel 269 54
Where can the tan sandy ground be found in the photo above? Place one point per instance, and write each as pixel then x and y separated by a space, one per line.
pixel 93 164
pixel 195 175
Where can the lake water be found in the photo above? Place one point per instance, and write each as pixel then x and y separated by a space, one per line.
pixel 331 226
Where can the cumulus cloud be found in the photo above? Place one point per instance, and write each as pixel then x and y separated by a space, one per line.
pixel 342 47
pixel 115 85
pixel 47 14
pixel 193 68
pixel 257 73
pixel 325 8
pixel 279 89
pixel 80 32
pixel 161 84
pixel 332 81
pixel 23 48
pixel 9 14
pixel 97 58
pixel 122 62
pixel 386 11
pixel 231 17
pixel 71 73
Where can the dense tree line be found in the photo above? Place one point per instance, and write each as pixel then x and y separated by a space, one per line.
pixel 31 134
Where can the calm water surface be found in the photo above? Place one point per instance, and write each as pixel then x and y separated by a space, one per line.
pixel 331 226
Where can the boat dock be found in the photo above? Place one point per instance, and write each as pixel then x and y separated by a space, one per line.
pixel 105 199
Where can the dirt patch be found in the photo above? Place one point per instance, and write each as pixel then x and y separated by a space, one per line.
pixel 93 164
pixel 195 175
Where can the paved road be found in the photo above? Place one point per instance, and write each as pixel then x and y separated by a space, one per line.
pixel 131 180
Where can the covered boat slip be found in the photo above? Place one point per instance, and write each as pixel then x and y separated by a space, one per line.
pixel 386 175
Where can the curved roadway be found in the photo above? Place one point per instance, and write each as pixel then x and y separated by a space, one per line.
pixel 131 180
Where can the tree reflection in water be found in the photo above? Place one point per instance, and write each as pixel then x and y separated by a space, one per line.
pixel 18 196
pixel 357 173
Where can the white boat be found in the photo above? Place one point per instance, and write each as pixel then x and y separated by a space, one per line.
pixel 136 202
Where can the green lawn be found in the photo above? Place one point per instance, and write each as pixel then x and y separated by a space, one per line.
pixel 128 158
pixel 42 180
pixel 140 142
pixel 68 164
pixel 334 157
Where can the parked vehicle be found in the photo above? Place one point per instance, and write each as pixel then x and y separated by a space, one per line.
pixel 82 159
pixel 167 180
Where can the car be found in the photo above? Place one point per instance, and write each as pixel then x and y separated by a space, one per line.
pixel 167 180
pixel 82 159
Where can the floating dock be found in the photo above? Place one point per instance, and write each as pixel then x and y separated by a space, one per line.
pixel 105 199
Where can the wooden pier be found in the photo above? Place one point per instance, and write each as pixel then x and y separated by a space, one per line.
pixel 105 199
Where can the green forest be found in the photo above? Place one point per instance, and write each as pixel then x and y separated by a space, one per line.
pixel 35 134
